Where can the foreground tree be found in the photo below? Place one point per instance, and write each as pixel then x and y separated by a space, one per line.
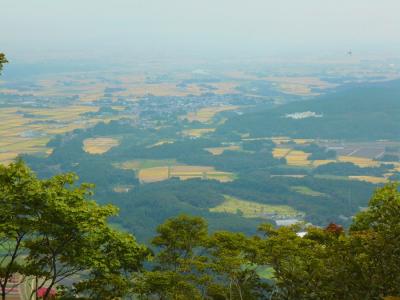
pixel 375 235
pixel 191 264
pixel 232 257
pixel 331 264
pixel 51 230
pixel 3 60
pixel 117 268
pixel 19 200
pixel 327 263
pixel 180 264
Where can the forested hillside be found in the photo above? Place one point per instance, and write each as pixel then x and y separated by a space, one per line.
pixel 366 112
pixel 52 232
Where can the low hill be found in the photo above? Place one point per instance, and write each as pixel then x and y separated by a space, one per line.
pixel 365 112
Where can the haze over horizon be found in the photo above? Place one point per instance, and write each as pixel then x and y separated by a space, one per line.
pixel 48 29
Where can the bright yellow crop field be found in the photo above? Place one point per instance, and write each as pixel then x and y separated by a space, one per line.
pixel 371 179
pixel 297 158
pixel 205 114
pixel 280 152
pixel 359 161
pixel 183 172
pixel 7 157
pixel 21 134
pixel 99 145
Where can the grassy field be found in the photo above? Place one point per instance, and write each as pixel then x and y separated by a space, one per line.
pixel 197 132
pixel 320 162
pixel 161 142
pixel 370 179
pixel 99 145
pixel 303 141
pixel 220 150
pixel 122 188
pixel 306 191
pixel 206 114
pixel 331 177
pixel 266 272
pixel 279 140
pixel 251 209
pixel 290 175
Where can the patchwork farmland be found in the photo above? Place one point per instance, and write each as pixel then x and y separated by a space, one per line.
pixel 183 172
pixel 159 170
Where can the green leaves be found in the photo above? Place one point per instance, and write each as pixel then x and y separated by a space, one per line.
pixel 52 230
pixel 191 263
pixel 3 60
pixel 331 264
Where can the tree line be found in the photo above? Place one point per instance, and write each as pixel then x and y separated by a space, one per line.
pixel 50 229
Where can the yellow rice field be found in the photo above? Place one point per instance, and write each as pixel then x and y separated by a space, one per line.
pixel 280 152
pixel 206 114
pixel 371 179
pixel 182 172
pixel 297 158
pixel 23 134
pixel 153 174
pixel 99 145
pixel 359 161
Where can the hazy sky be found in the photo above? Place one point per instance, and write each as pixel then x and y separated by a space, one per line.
pixel 62 28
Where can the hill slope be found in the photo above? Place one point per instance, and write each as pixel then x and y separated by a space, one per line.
pixel 367 112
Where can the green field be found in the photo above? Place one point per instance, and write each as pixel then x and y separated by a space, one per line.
pixel 250 209
pixel 307 191
pixel 331 177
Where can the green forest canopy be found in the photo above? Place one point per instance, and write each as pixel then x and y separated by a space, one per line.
pixel 3 60
pixel 52 230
